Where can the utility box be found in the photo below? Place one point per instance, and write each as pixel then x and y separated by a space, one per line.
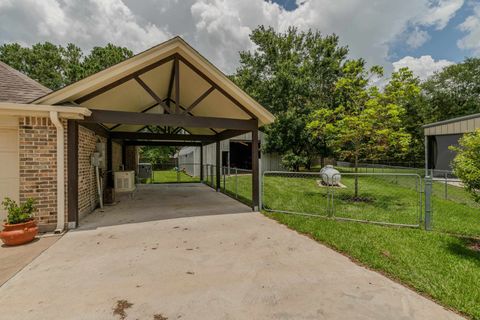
pixel 144 170
pixel 124 181
pixel 101 149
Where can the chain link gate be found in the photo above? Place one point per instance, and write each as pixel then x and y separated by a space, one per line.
pixel 380 198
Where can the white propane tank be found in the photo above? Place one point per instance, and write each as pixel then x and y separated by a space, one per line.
pixel 330 175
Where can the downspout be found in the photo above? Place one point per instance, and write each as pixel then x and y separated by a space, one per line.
pixel 60 172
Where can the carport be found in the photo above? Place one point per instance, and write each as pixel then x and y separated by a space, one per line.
pixel 171 87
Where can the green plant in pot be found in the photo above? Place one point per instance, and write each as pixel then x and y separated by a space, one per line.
pixel 20 226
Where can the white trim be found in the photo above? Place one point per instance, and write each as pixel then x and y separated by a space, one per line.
pixel 65 112
pixel 60 171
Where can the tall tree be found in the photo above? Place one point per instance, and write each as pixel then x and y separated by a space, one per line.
pixel 453 92
pixel 292 74
pixel 365 124
pixel 55 66
pixel 403 89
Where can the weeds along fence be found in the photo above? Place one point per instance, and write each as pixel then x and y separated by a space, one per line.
pixel 380 198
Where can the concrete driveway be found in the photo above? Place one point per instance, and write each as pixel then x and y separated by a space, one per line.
pixel 231 266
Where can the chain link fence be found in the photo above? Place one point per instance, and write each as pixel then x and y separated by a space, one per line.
pixel 381 198
pixel 171 173
pixel 237 183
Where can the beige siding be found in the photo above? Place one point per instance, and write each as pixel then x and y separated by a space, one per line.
pixel 9 159
pixel 458 127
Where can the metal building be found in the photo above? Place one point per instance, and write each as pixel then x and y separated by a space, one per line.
pixel 439 136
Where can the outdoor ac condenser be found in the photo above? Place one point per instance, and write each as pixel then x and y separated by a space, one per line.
pixel 124 181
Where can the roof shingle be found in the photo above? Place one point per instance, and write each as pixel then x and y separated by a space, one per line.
pixel 17 87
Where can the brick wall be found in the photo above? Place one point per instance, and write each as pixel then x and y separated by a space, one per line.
pixel 38 167
pixel 87 184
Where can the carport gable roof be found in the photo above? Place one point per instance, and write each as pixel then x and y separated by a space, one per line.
pixel 169 78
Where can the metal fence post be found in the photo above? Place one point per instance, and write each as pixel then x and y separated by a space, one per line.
pixel 428 203
pixel 236 183
pixel 446 186
pixel 224 180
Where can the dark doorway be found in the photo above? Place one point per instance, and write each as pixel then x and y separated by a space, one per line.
pixel 241 154
pixel 225 160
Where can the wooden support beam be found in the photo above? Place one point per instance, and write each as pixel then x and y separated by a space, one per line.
pixel 228 134
pixel 124 154
pixel 199 99
pixel 255 172
pixel 177 84
pixel 161 136
pixel 170 84
pixel 213 84
pixel 123 80
pixel 107 116
pixel 72 172
pixel 153 95
pixel 109 163
pixel 162 143
pixel 217 165
pixel 201 163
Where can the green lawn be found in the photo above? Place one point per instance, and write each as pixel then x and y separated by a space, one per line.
pixel 438 264
pixel 171 176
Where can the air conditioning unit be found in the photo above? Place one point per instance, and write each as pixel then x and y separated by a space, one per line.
pixel 124 181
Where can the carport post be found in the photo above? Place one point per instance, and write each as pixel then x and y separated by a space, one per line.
pixel 109 163
pixel 72 173
pixel 255 176
pixel 217 168
pixel 201 163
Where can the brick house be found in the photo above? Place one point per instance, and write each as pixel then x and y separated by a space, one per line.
pixel 47 138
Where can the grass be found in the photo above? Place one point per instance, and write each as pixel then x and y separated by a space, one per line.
pixel 438 264
pixel 171 176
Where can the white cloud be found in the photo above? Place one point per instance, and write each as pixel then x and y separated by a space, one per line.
pixel 422 67
pixel 417 38
pixel 86 23
pixel 221 28
pixel 471 26
pixel 440 12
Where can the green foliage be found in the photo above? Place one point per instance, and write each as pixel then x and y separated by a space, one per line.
pixel 367 124
pixel 292 74
pixel 453 92
pixel 19 213
pixel 56 66
pixel 404 90
pixel 466 164
pixel 156 155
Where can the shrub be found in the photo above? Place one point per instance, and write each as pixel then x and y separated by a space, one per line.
pixel 466 164
pixel 19 213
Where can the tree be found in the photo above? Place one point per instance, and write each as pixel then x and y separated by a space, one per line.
pixel 453 92
pixel 55 66
pixel 291 74
pixel 466 164
pixel 403 89
pixel 156 155
pixel 365 124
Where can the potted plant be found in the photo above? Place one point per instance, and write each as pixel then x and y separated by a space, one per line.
pixel 20 226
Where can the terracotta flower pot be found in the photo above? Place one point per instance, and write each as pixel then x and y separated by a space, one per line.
pixel 20 233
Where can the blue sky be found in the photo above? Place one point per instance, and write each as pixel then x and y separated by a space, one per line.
pixel 442 43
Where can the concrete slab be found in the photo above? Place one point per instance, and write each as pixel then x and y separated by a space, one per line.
pixel 163 201
pixel 237 266
pixel 14 259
